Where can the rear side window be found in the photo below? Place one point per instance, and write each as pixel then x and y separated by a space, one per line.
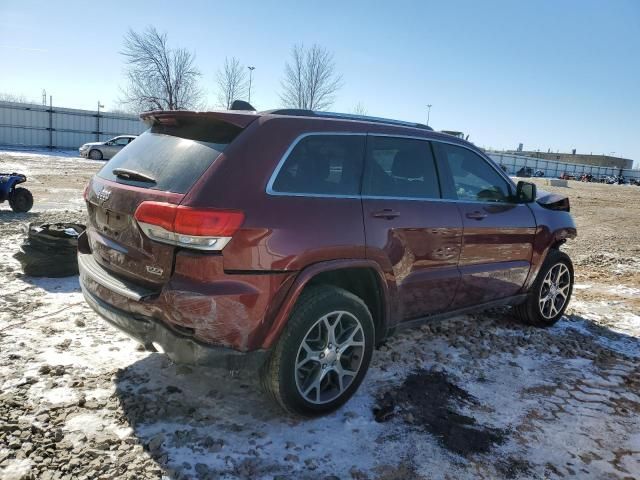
pixel 323 164
pixel 400 167
pixel 174 156
pixel 473 178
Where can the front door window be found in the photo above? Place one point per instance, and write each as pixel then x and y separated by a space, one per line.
pixel 473 178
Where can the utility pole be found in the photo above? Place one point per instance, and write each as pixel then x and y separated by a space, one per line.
pixel 428 113
pixel 50 120
pixel 251 69
pixel 98 122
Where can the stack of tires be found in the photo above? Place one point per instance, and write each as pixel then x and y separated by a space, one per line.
pixel 50 250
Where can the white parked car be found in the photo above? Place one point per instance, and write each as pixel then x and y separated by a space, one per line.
pixel 105 150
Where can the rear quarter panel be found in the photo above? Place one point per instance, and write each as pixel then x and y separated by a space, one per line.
pixel 280 232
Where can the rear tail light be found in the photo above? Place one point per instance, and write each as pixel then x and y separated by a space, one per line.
pixel 199 228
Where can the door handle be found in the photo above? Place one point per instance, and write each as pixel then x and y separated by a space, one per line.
pixel 476 215
pixel 386 213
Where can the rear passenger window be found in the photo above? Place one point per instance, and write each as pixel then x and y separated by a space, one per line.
pixel 323 164
pixel 400 167
pixel 473 178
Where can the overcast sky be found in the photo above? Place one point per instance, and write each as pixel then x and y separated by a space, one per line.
pixel 549 74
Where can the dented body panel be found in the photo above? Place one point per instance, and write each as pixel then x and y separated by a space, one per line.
pixel 202 302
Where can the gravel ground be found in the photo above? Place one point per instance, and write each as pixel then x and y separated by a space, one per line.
pixel 478 396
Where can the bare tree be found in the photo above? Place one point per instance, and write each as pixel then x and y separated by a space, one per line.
pixel 11 97
pixel 232 82
pixel 360 109
pixel 310 79
pixel 159 77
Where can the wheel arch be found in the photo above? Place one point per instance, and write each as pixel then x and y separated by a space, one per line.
pixel 363 278
pixel 11 184
pixel 545 241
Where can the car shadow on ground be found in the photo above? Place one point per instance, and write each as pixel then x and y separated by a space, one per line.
pixel 216 421
pixel 8 215
pixel 225 425
pixel 69 284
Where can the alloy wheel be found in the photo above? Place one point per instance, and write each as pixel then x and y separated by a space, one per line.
pixel 329 357
pixel 554 291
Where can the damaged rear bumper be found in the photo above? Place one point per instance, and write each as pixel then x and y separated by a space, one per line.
pixel 179 348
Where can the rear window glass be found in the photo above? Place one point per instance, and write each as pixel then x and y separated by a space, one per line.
pixel 323 164
pixel 173 156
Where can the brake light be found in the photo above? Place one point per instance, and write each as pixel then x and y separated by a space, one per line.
pixel 201 228
pixel 158 214
pixel 85 194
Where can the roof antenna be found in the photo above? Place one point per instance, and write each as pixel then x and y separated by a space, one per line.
pixel 242 105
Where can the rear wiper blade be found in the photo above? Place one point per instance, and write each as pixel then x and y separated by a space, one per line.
pixel 132 175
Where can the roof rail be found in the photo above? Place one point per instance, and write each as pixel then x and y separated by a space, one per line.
pixel 298 112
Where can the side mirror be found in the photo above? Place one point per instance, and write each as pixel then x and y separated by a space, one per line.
pixel 526 192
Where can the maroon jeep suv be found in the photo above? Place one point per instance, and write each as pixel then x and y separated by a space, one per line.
pixel 294 242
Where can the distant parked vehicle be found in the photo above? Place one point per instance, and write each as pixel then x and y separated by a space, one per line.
pixel 566 176
pixel 456 134
pixel 634 181
pixel 105 150
pixel 20 199
pixel 525 172
pixel 586 177
pixel 538 173
pixel 614 180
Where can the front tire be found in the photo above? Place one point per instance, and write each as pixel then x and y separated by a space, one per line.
pixel 550 293
pixel 21 200
pixel 323 353
pixel 95 154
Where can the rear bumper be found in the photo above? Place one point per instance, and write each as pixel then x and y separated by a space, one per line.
pixel 179 348
pixel 209 307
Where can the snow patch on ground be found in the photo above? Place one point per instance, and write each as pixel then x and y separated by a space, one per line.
pixel 31 152
pixel 16 470
pixel 623 344
pixel 624 291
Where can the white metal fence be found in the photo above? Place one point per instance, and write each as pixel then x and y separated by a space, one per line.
pixel 33 125
pixel 551 168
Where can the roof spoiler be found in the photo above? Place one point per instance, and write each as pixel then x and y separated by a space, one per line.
pixel 173 117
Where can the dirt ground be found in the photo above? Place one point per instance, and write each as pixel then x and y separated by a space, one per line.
pixel 477 396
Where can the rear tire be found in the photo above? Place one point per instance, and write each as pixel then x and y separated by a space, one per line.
pixel 21 200
pixel 549 295
pixel 323 353
pixel 95 154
